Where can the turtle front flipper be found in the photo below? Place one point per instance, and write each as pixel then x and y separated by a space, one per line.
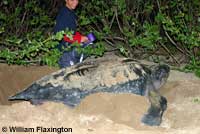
pixel 156 80
pixel 156 110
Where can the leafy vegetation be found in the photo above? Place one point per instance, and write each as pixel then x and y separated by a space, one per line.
pixel 196 100
pixel 134 28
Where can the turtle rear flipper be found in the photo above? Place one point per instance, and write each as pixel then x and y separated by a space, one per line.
pixel 71 102
pixel 36 101
pixel 37 94
pixel 27 94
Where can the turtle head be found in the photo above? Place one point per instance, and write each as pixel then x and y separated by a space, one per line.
pixel 159 75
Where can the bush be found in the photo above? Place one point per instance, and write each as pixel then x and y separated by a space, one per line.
pixel 134 28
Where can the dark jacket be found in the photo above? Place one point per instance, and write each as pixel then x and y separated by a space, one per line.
pixel 66 18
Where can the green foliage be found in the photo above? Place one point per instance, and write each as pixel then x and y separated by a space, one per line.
pixel 180 31
pixel 32 51
pixel 22 27
pixel 25 36
pixel 148 38
pixel 123 50
pixel 172 25
pixel 196 100
pixel 129 26
pixel 96 49
pixel 193 66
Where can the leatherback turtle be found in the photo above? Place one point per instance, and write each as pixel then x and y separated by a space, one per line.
pixel 120 75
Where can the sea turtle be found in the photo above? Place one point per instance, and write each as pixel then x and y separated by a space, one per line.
pixel 120 75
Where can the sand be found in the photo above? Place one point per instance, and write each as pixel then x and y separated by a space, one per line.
pixel 101 113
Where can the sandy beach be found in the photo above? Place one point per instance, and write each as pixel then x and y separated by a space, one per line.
pixel 101 113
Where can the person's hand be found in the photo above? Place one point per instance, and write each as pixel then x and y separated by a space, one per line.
pixel 84 39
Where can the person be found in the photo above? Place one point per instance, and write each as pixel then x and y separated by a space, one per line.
pixel 67 19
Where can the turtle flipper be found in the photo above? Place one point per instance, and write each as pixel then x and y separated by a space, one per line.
pixel 36 102
pixel 72 101
pixel 37 94
pixel 155 113
pixel 26 94
pixel 152 120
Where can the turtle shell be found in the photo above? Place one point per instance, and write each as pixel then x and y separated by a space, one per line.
pixel 96 73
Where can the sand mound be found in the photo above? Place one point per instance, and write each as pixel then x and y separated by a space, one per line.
pixel 100 113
